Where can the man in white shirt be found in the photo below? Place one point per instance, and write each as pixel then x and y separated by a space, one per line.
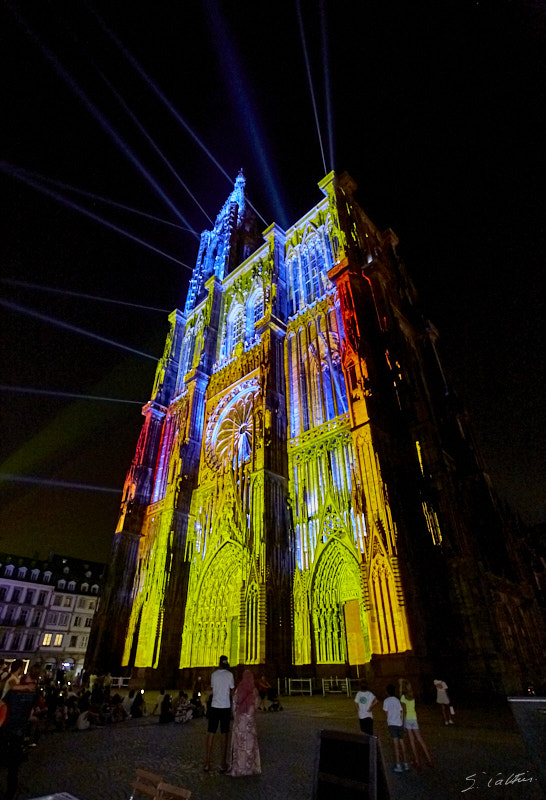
pixel 220 710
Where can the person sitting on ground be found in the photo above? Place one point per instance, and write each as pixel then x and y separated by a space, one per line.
pixel 184 709
pixel 159 699
pixel 128 702
pixel 118 712
pixel 138 706
pixel 166 712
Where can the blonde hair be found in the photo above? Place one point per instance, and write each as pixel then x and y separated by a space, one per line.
pixel 405 689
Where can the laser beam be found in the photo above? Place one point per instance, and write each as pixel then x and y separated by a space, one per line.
pixel 309 78
pixel 327 81
pixel 44 179
pixel 73 328
pixel 150 141
pixel 238 89
pixel 56 484
pixel 164 99
pixel 67 293
pixel 99 117
pixel 73 395
pixel 77 207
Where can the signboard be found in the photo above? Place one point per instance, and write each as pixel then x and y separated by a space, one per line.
pixel 349 766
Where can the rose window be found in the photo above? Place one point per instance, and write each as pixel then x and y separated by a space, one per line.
pixel 230 432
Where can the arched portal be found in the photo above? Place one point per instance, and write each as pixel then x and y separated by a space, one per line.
pixel 214 625
pixel 339 626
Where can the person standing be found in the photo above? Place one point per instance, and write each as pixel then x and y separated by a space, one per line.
pixel 20 700
pixel 393 708
pixel 222 684
pixel 443 700
pixel 245 753
pixel 365 701
pixel 411 726
pixel 16 673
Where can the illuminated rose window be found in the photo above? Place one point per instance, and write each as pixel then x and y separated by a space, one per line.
pixel 230 432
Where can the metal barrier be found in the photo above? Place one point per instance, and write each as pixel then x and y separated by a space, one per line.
pixel 120 683
pixel 300 686
pixel 336 685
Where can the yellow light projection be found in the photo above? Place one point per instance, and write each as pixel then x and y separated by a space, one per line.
pixel 288 493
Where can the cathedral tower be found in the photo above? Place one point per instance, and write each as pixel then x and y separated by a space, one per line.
pixel 304 495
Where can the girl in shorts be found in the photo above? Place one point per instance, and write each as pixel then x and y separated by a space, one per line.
pixel 411 726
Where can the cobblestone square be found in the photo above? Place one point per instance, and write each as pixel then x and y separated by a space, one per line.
pixel 471 757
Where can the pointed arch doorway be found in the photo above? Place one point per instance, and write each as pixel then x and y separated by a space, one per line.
pixel 339 628
pixel 215 622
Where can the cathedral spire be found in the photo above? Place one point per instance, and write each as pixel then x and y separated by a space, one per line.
pixel 218 250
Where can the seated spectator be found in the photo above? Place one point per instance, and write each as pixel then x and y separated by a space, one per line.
pixel 128 702
pixel 138 707
pixel 166 711
pixel 184 709
pixel 118 712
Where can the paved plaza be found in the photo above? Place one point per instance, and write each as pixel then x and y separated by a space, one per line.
pixel 99 764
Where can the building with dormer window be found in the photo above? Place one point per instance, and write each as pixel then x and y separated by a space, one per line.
pixel 47 609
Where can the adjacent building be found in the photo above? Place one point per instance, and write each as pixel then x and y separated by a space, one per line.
pixel 306 495
pixel 47 609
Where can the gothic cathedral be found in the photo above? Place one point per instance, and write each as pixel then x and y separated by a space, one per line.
pixel 305 496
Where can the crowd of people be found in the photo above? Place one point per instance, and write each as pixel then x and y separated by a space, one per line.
pixel 36 703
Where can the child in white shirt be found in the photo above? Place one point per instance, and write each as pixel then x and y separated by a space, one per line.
pixel 395 724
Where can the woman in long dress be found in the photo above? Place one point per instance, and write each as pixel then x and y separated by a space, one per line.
pixel 245 754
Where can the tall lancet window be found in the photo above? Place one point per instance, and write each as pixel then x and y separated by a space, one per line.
pixel 258 308
pixel 188 348
pixel 236 327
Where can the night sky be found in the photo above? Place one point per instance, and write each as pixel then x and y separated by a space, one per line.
pixel 436 110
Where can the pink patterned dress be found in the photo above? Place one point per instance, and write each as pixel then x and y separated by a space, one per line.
pixel 245 753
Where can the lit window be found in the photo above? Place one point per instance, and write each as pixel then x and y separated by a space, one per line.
pixel 58 640
pixel 47 639
pixel 258 310
pixel 236 328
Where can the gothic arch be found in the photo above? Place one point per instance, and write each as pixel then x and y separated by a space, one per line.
pixel 388 628
pixel 213 624
pixel 339 628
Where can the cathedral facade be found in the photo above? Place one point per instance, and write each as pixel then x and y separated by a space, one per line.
pixel 305 496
